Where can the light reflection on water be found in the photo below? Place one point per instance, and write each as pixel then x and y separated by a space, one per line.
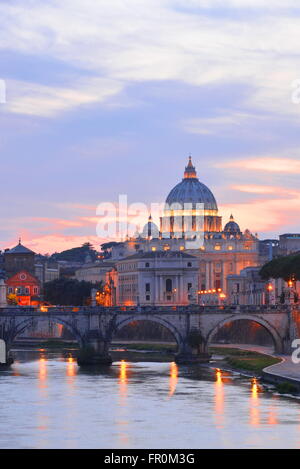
pixel 51 403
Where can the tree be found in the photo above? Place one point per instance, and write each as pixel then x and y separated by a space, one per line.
pixel 287 268
pixel 66 291
pixel 78 254
pixel 12 299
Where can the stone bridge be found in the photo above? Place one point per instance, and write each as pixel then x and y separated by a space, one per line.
pixel 193 327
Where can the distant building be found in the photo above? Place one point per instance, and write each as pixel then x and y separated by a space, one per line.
pixel 46 270
pixel 157 278
pixel 17 259
pixel 289 243
pixel 26 287
pixel 94 272
pixel 248 288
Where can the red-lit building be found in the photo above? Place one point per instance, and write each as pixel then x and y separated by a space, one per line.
pixel 26 287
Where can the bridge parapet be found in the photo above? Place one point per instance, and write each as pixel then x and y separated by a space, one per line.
pixel 191 309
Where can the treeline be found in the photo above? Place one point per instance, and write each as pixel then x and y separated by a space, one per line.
pixel 65 292
pixel 76 254
pixel 287 268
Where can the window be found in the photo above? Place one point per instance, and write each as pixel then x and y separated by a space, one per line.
pixel 169 298
pixel 147 297
pixel 189 286
pixel 189 264
pixel 147 264
pixel 169 285
pixel 147 287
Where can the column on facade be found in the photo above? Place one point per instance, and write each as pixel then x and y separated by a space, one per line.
pixel 156 289
pixel 222 277
pixel 207 275
pixel 211 275
pixel 161 289
pixel 181 290
pixel 176 287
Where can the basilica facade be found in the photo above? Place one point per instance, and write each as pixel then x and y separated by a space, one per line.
pixel 192 226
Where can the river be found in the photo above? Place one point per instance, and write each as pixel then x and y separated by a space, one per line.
pixel 48 402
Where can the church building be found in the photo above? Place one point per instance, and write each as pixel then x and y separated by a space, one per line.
pixel 191 224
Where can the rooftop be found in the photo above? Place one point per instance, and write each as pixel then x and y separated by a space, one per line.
pixel 159 255
pixel 20 249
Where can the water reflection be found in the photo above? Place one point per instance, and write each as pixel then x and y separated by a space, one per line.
pixel 254 404
pixel 123 409
pixel 71 368
pixel 219 399
pixel 173 378
pixel 55 404
pixel 42 372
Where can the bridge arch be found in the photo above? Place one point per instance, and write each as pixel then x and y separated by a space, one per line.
pixel 26 323
pixel 277 339
pixel 120 323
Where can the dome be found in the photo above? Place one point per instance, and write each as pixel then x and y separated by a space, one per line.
pixel 232 226
pixel 191 190
pixel 150 230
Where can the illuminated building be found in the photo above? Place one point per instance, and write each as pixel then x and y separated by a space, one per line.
pixel 157 278
pixel 25 287
pixel 222 251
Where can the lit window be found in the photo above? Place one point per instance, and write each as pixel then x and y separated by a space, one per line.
pixel 217 247
pixel 153 248
pixel 230 248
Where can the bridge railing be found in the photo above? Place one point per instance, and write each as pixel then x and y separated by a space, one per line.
pixel 233 309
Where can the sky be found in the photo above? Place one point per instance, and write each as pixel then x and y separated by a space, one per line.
pixel 110 97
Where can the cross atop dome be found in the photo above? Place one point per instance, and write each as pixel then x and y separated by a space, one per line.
pixel 190 170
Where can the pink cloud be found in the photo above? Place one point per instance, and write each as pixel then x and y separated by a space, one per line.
pixel 265 214
pixel 57 242
pixel 274 165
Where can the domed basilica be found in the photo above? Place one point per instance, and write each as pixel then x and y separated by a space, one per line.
pixel 190 213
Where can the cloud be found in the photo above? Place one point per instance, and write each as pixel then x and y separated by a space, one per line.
pixel 229 121
pixel 264 164
pixel 272 190
pixel 48 101
pixel 265 214
pixel 57 242
pixel 138 41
